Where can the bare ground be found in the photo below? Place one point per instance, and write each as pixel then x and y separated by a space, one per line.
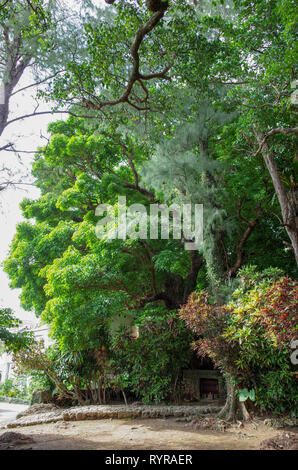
pixel 149 434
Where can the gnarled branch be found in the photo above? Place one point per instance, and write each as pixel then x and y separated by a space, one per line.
pixel 279 130
pixel 136 75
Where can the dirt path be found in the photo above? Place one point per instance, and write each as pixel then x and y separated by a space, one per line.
pixel 149 434
pixel 9 411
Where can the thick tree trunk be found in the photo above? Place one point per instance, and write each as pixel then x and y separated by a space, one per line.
pixel 196 262
pixel 227 407
pixel 4 107
pixel 14 73
pixel 233 402
pixel 244 412
pixel 288 205
pixel 233 405
pixel 176 289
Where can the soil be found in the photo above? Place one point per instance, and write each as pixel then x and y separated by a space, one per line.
pixel 283 441
pixel 149 434
pixel 11 439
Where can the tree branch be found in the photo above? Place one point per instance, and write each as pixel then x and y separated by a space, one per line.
pixel 240 247
pixel 39 113
pixel 37 83
pixel 135 75
pixel 279 130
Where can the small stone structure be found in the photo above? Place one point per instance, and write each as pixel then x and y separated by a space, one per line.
pixel 41 396
pixel 198 384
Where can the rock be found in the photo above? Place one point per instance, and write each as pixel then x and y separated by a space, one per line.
pixel 124 414
pixel 63 424
pixel 10 439
pixel 37 409
pixel 41 396
pixel 10 436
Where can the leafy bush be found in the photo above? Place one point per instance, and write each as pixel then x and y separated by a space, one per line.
pixel 277 390
pixel 151 364
pixel 264 322
pixel 250 337
pixel 76 375
pixel 14 389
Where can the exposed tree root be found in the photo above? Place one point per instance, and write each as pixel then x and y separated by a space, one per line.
pixel 233 407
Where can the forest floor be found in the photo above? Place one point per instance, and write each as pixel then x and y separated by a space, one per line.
pixel 149 434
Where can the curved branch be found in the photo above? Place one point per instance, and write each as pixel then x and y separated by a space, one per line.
pixel 135 75
pixel 240 247
pixel 279 130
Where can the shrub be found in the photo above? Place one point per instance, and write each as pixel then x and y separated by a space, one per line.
pixel 264 323
pixel 14 389
pixel 151 364
pixel 75 375
pixel 250 337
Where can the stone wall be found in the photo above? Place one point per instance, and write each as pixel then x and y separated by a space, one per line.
pixel 92 412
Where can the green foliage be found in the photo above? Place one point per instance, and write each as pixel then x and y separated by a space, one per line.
pixel 14 389
pixel 75 281
pixel 229 69
pixel 39 381
pixel 12 341
pixel 250 337
pixel 277 389
pixel 244 394
pixel 151 364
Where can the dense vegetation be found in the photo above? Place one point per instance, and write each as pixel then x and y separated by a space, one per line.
pixel 248 338
pixel 10 337
pixel 169 103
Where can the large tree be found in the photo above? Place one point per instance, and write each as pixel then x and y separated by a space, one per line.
pixel 188 104
pixel 70 276
pixel 61 252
